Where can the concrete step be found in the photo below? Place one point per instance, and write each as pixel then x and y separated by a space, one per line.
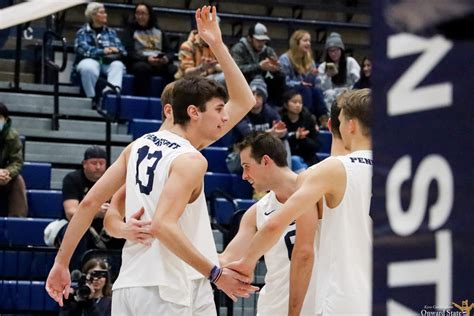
pixel 24 77
pixel 43 87
pixel 74 135
pixel 14 99
pixel 60 152
pixel 21 123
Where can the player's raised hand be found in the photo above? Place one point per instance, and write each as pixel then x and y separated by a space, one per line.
pixel 208 28
pixel 58 283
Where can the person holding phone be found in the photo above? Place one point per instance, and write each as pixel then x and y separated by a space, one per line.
pixel 149 50
pixel 197 59
pixel 301 74
pixel 338 72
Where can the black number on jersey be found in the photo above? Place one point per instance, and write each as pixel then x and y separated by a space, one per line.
pixel 290 242
pixel 143 153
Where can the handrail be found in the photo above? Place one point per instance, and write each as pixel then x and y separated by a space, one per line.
pixel 108 119
pixel 47 36
pixel 254 18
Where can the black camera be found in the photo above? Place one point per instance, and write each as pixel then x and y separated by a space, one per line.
pixel 81 291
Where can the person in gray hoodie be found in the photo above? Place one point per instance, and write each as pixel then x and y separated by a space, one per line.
pixel 255 58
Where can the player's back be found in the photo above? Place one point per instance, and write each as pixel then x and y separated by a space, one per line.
pixel 344 267
pixel 148 169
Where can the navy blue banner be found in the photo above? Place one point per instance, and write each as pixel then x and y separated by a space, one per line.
pixel 422 206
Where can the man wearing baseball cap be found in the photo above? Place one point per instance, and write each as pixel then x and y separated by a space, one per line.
pixel 76 184
pixel 256 59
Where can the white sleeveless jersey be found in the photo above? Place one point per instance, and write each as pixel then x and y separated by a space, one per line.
pixel 147 171
pixel 274 296
pixel 344 275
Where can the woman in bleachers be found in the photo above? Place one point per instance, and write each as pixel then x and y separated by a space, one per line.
pixel 301 73
pixel 148 49
pixel 94 293
pixel 302 135
pixel 98 50
pixel 338 72
pixel 365 73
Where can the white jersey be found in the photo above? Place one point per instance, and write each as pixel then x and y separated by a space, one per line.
pixel 147 171
pixel 344 276
pixel 274 296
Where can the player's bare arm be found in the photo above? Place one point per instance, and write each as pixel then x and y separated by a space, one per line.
pixel 239 244
pixel 133 229
pixel 59 280
pixel 314 186
pixel 241 99
pixel 182 187
pixel 302 260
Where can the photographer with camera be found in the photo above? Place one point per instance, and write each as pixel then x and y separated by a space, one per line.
pixel 93 294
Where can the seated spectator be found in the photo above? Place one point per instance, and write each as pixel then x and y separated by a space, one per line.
pixel 365 73
pixel 262 118
pixel 197 59
pixel 96 280
pixel 98 50
pixel 302 134
pixel 12 185
pixel 301 73
pixel 76 184
pixel 256 59
pixel 149 53
pixel 337 73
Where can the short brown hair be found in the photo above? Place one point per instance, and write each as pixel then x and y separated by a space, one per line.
pixel 358 105
pixel 194 91
pixel 166 98
pixel 335 111
pixel 265 144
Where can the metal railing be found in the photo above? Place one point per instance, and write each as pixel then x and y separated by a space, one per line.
pixel 48 36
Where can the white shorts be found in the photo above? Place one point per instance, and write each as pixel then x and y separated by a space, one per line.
pixel 142 301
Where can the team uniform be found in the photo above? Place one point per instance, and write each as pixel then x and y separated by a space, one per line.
pixel 274 296
pixel 152 280
pixel 344 275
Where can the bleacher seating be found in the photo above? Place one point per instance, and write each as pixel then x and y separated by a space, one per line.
pixel 325 141
pixel 224 208
pixel 130 107
pixel 45 203
pixel 139 127
pixel 216 159
pixel 25 296
pixel 157 84
pixel 37 175
pixel 28 264
pixel 231 184
pixel 16 231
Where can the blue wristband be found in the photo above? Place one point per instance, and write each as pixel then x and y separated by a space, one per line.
pixel 215 274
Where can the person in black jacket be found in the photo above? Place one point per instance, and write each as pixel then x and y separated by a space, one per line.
pixel 300 123
pixel 99 301
pixel 149 53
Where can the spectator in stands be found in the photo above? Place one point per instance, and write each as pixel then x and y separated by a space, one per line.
pixel 99 301
pixel 12 185
pixel 98 50
pixel 149 53
pixel 255 58
pixel 337 73
pixel 302 134
pixel 197 59
pixel 365 73
pixel 76 184
pixel 262 118
pixel 301 74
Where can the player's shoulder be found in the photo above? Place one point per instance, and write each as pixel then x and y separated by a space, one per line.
pixel 191 161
